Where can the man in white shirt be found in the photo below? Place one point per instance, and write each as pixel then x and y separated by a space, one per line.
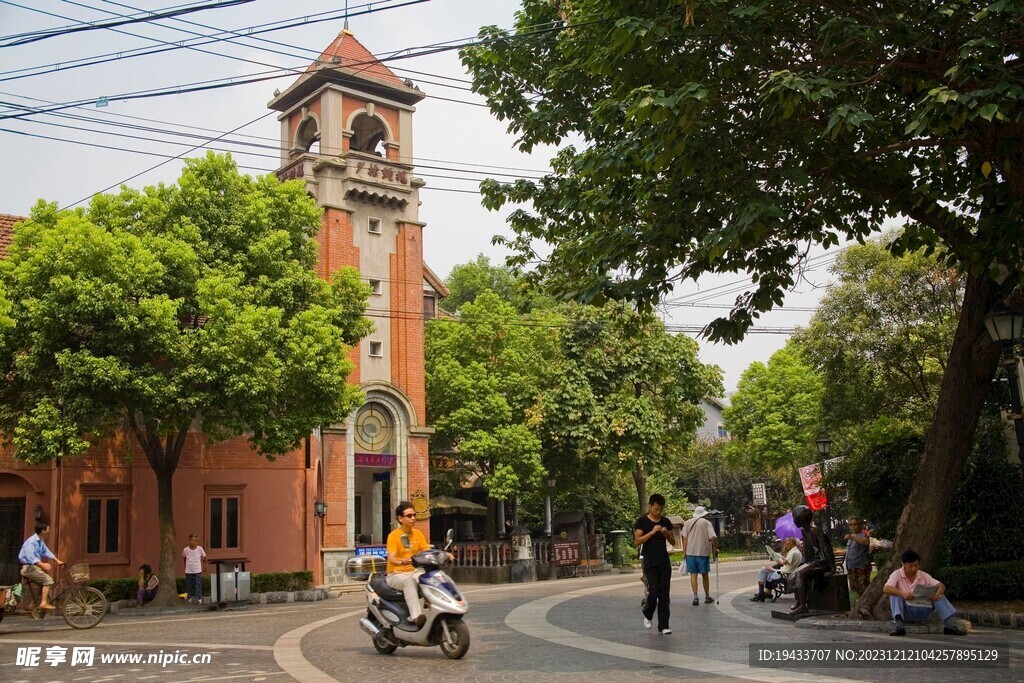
pixel 699 542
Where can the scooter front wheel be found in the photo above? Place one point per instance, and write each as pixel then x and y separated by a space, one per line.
pixel 459 644
pixel 383 645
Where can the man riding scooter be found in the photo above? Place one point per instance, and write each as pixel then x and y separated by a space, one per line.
pixel 403 543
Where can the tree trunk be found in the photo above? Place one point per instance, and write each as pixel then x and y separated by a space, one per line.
pixel 972 362
pixel 168 593
pixel 641 489
pixel 163 458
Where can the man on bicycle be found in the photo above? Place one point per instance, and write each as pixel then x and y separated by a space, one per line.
pixel 33 567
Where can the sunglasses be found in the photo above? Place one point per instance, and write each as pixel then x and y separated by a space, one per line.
pixel 411 514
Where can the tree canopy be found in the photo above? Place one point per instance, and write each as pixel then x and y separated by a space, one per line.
pixel 705 136
pixel 483 372
pixel 727 136
pixel 469 280
pixel 623 394
pixel 775 414
pixel 154 311
pixel 881 335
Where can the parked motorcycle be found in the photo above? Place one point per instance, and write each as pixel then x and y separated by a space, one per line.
pixel 387 615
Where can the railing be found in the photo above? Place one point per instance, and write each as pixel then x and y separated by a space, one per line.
pixel 482 554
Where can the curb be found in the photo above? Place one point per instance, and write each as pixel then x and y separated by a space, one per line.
pixel 844 623
pixel 1013 620
pixel 127 608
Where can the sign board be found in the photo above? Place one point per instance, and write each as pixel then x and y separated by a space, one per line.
pixel 760 494
pixel 376 460
pixel 566 554
pixel 378 550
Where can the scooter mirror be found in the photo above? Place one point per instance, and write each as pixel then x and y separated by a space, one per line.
pixel 449 538
pixel 405 542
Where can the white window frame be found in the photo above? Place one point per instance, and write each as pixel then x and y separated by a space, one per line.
pixel 371 223
pixel 380 348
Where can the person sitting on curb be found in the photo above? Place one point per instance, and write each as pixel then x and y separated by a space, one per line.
pixel 148 585
pixel 769 573
pixel 909 582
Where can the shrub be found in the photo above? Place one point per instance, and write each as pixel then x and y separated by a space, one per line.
pixel 991 581
pixel 282 581
pixel 126 589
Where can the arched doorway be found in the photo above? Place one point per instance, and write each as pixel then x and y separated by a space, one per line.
pixel 375 459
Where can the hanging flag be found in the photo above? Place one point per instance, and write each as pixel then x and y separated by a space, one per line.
pixel 810 479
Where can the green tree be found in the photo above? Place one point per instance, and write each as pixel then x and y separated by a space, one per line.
pixel 775 414
pixel 468 280
pixel 881 335
pixel 723 136
pixel 185 305
pixel 483 372
pixel 624 394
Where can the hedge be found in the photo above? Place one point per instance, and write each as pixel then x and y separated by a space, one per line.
pixel 990 581
pixel 126 589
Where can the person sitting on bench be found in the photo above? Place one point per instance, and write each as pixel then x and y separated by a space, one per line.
pixel 768 573
pixel 914 595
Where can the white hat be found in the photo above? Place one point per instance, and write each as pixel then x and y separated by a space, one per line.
pixel 699 512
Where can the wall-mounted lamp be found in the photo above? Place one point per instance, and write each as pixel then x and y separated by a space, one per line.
pixel 320 508
pixel 39 513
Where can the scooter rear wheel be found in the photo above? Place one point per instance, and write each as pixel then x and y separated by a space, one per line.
pixel 383 645
pixel 460 640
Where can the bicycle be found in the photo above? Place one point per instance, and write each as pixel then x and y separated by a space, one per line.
pixel 81 606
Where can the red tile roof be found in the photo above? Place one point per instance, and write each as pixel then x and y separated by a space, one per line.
pixel 7 222
pixel 351 56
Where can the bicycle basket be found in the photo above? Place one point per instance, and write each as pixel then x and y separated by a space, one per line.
pixel 79 572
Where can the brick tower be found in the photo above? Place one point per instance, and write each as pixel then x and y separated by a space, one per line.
pixel 346 129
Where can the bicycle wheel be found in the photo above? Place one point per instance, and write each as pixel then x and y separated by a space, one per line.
pixel 83 607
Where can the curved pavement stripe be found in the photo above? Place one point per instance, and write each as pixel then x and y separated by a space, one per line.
pixel 531 619
pixel 288 651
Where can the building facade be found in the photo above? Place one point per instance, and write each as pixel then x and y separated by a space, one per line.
pixel 346 129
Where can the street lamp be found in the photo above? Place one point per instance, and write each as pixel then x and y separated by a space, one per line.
pixel 547 507
pixel 824 444
pixel 1004 326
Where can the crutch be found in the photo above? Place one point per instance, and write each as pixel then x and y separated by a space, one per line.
pixel 718 587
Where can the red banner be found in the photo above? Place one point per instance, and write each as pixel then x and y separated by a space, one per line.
pixel 810 479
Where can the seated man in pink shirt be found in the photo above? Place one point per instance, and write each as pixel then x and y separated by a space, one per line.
pixel 901 588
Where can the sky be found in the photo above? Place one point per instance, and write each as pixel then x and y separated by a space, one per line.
pixel 461 137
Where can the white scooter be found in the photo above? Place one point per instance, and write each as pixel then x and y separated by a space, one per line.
pixel 387 616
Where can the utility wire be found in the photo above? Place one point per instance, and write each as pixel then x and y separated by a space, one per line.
pixel 216 84
pixel 157 129
pixel 259 28
pixel 35 36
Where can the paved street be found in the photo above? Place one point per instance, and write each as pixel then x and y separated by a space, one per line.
pixel 585 629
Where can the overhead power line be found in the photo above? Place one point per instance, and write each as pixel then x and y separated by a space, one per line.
pixel 201 40
pixel 216 84
pixel 160 127
pixel 35 36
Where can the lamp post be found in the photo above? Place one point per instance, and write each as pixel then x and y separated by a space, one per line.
pixel 1004 326
pixel 547 508
pixel 824 444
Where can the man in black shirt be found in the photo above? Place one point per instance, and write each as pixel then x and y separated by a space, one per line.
pixel 651 532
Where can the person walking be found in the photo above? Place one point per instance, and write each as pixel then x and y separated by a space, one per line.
pixel 699 542
pixel 652 533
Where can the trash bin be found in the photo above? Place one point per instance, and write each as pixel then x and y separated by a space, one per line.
pixel 223 590
pixel 618 547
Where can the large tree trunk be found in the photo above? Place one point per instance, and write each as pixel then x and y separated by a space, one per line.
pixel 641 488
pixel 163 457
pixel 972 362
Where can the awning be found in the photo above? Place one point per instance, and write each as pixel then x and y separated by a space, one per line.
pixel 447 505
